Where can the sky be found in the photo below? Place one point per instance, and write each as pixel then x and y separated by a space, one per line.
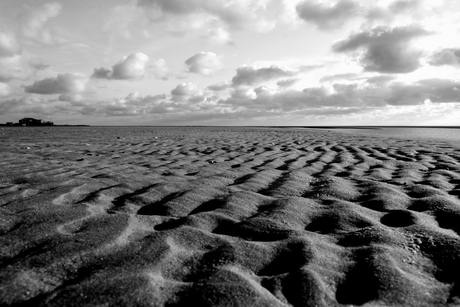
pixel 231 62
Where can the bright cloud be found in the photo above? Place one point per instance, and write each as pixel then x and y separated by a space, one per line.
pixel 218 35
pixel 9 45
pixel 4 90
pixel 205 63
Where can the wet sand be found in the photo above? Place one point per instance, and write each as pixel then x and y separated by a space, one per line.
pixel 227 217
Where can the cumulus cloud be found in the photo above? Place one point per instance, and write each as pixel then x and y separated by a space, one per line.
pixel 102 73
pixel 446 57
pixel 61 84
pixel 248 75
pixel 33 24
pixel 327 17
pixel 205 63
pixel 385 50
pixel 184 89
pixel 160 69
pixel 132 66
pixel 4 89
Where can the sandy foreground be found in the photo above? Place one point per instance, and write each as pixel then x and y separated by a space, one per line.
pixel 226 217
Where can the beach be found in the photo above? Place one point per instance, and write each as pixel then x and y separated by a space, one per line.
pixel 227 216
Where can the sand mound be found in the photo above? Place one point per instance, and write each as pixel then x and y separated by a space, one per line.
pixel 226 217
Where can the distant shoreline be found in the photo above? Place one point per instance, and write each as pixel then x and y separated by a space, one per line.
pixel 280 127
pixel 20 126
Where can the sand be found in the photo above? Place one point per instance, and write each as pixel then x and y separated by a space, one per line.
pixel 226 217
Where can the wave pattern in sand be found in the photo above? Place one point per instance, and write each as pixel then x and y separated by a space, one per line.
pixel 226 217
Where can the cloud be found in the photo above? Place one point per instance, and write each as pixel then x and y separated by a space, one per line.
pixel 184 89
pixel 436 90
pixel 33 24
pixel 160 69
pixel 404 5
pixel 120 19
pixel 132 66
pixel 4 89
pixel 205 63
pixel 14 63
pixel 218 35
pixel 195 14
pixel 446 57
pixel 248 75
pixel 20 67
pixel 9 45
pixel 102 73
pixel 285 83
pixel 378 14
pixel 219 86
pixel 62 84
pixel 385 50
pixel 327 17
pixel 380 80
pixel 344 76
pixel 71 97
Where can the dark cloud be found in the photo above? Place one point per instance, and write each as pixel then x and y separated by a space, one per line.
pixel 446 57
pixel 403 6
pixel 285 83
pixel 436 90
pixel 233 13
pixel 219 87
pixel 247 75
pixel 394 9
pixel 386 50
pixel 101 73
pixel 62 84
pixel 327 17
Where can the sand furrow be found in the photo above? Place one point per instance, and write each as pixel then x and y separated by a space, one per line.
pixel 151 216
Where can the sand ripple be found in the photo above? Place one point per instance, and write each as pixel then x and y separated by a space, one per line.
pixel 227 217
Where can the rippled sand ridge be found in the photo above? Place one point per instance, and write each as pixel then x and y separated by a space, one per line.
pixel 227 217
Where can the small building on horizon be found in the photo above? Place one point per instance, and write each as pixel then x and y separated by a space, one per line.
pixel 28 121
